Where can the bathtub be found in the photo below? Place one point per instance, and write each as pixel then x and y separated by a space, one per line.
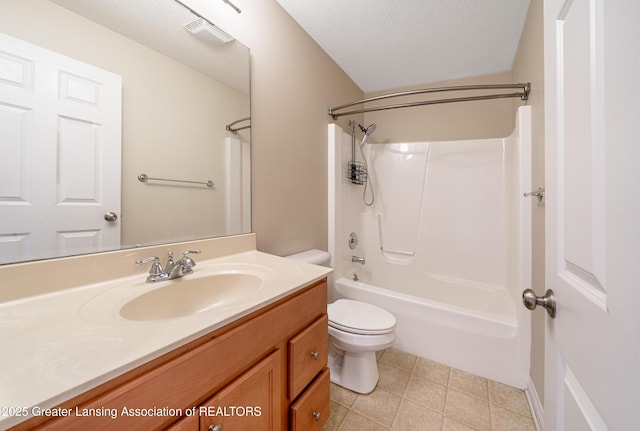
pixel 484 339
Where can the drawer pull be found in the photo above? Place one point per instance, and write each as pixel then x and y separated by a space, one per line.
pixel 317 416
pixel 213 427
pixel 315 355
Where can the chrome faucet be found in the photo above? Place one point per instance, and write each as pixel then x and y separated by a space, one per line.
pixel 184 266
pixel 172 269
pixel 358 259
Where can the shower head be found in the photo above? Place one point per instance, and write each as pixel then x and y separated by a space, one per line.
pixel 368 130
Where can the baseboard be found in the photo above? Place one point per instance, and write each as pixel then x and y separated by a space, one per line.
pixel 537 411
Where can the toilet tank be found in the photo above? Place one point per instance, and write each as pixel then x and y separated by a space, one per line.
pixel 314 256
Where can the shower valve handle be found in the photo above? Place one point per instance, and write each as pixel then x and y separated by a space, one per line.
pixel 548 301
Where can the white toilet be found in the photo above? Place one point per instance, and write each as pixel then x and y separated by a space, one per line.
pixel 357 330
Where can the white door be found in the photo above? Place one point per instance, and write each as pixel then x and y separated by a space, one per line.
pixel 60 145
pixel 592 61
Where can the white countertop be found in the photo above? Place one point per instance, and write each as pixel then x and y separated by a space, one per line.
pixel 59 345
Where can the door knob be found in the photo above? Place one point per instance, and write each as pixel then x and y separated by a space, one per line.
pixel 111 216
pixel 548 301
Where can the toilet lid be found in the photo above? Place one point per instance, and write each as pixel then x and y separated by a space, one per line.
pixel 359 317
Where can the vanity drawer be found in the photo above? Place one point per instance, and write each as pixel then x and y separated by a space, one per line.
pixel 308 354
pixel 312 410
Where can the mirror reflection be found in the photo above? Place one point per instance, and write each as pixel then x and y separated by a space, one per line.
pixel 97 94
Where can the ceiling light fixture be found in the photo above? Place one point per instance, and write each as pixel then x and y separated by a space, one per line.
pixel 207 31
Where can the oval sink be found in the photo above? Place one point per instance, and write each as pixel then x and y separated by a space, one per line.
pixel 187 296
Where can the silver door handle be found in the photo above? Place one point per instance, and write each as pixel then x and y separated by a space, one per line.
pixel 548 301
pixel 111 216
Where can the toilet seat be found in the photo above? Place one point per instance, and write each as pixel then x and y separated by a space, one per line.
pixel 360 318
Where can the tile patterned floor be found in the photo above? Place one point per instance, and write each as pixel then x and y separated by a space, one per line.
pixel 415 394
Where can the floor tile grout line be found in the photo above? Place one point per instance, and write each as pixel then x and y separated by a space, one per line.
pixel 349 410
pixel 490 409
pixel 395 416
pixel 412 374
pixel 369 418
pixel 444 407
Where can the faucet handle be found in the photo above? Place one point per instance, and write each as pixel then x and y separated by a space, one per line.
pixel 187 262
pixel 155 272
pixel 156 268
pixel 154 259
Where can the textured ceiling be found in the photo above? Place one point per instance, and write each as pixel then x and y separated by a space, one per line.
pixel 386 44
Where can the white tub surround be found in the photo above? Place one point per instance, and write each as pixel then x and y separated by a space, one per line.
pixel 64 342
pixel 446 245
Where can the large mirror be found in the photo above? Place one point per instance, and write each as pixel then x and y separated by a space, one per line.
pixel 113 134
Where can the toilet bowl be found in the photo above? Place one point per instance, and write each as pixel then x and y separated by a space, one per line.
pixel 357 331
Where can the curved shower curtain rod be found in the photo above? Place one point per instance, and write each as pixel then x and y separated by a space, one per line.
pixel 524 95
pixel 234 130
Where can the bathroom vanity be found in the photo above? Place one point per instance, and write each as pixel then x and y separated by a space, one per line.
pixel 261 364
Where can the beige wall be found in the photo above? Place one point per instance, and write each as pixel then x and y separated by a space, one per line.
pixel 293 84
pixel 451 121
pixel 529 66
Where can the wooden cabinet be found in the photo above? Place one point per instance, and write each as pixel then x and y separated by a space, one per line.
pixel 308 355
pixel 251 402
pixel 268 361
pixel 311 410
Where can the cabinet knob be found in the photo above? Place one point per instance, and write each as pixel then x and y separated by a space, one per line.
pixel 317 415
pixel 315 355
pixel 213 427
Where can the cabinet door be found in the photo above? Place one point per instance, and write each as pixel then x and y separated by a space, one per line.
pixel 308 353
pixel 250 402
pixel 312 409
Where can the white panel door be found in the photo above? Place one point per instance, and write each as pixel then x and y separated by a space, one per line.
pixel 593 215
pixel 60 140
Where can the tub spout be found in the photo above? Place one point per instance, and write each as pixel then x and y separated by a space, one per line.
pixel 358 259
